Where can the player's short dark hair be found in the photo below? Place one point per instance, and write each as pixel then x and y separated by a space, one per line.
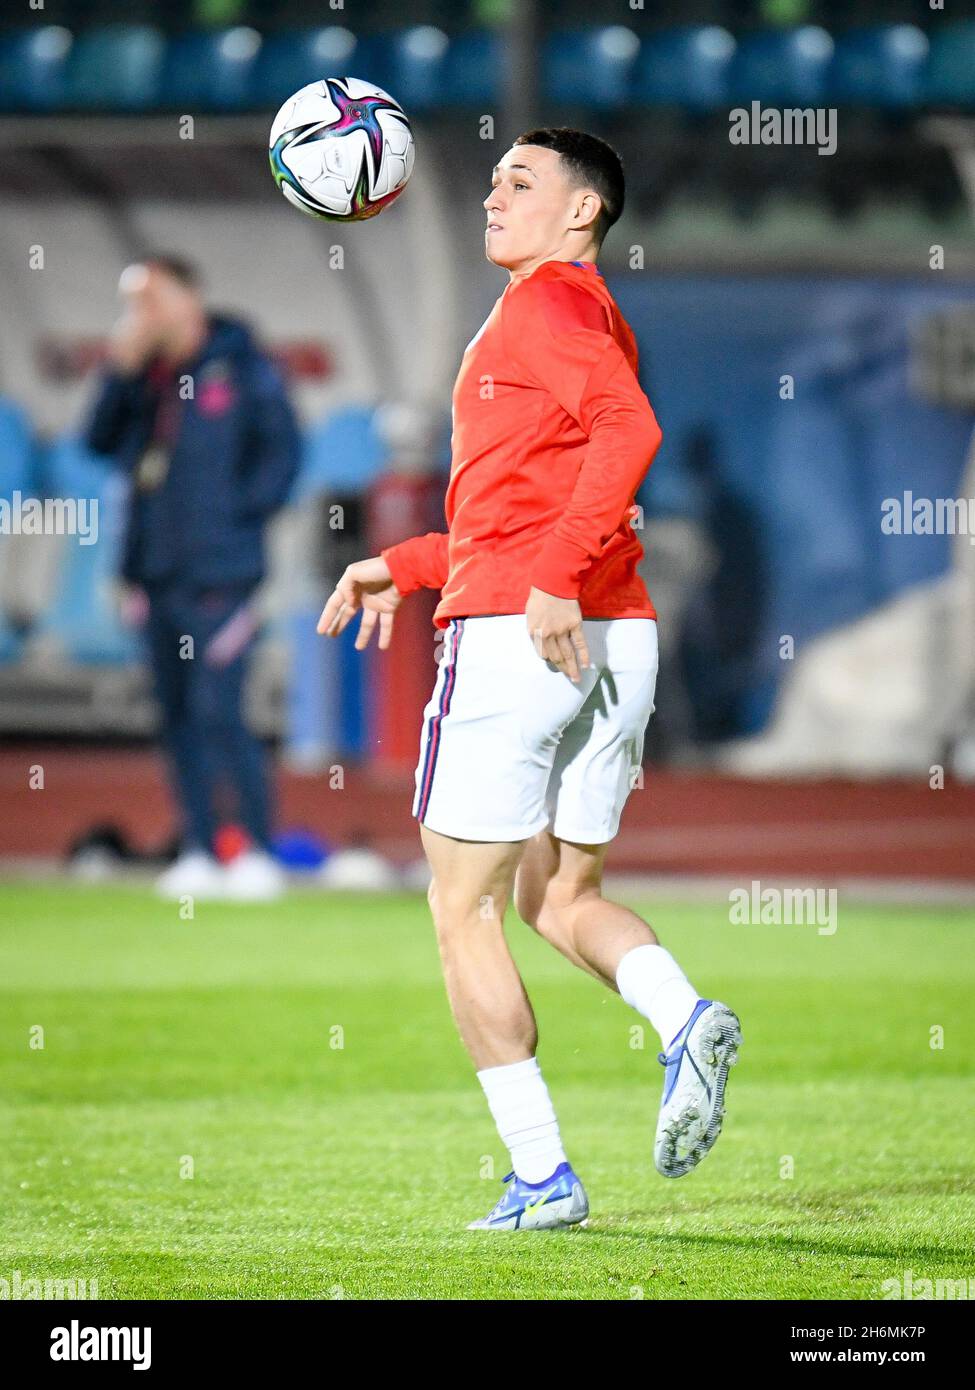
pixel 179 268
pixel 589 162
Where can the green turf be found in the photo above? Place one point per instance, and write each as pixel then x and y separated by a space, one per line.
pixel 324 1171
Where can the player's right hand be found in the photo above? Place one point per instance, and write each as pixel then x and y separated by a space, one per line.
pixel 368 585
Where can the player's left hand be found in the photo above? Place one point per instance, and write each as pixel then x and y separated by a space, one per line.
pixel 555 626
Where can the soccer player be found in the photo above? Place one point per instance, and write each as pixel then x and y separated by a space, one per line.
pixel 535 727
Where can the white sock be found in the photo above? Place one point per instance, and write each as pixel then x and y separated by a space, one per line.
pixel 652 982
pixel 523 1112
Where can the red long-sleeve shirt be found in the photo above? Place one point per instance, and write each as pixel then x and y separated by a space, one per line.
pixel 552 437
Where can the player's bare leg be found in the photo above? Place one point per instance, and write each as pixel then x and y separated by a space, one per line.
pixel 558 891
pixel 469 893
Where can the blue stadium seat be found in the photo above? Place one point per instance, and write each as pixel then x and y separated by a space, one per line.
pixel 591 67
pixel 211 70
pixel 16 476
pixel 115 68
pixel 950 76
pixel 473 72
pixel 32 68
pixel 16 451
pixel 83 617
pixel 685 68
pixel 787 67
pixel 343 453
pixel 11 642
pixel 415 63
pixel 289 61
pixel 880 67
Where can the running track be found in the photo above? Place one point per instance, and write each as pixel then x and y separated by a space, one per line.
pixel 678 823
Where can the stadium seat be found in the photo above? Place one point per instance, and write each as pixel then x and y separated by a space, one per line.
pixel 591 67
pixel 473 69
pixel 685 68
pixel 415 62
pixel 289 61
pixel 32 68
pixel 343 454
pixel 880 67
pixel 211 69
pixel 16 476
pixel 949 79
pixel 785 68
pixel 11 642
pixel 83 621
pixel 16 451
pixel 115 68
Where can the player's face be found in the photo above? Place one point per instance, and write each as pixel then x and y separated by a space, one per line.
pixel 530 209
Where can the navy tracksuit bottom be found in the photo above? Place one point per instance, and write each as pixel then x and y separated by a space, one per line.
pixel 199 643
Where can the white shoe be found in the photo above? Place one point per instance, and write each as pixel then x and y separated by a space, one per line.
pixel 695 1074
pixel 254 877
pixel 195 874
pixel 357 869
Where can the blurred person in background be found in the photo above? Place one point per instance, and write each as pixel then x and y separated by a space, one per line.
pixel 725 608
pixel 199 418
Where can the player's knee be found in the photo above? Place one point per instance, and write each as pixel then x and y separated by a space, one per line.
pixel 435 899
pixel 448 906
pixel 454 907
pixel 432 898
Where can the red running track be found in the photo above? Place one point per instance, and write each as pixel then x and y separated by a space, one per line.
pixel 678 823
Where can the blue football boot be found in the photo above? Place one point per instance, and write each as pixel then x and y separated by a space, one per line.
pixel 695 1073
pixel 536 1206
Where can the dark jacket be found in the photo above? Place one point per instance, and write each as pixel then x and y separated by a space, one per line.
pixel 233 452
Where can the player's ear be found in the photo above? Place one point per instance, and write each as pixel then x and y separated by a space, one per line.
pixel 588 207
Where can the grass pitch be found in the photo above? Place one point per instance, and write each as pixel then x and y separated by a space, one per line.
pixel 271 1102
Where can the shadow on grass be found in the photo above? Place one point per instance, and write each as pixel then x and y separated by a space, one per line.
pixel 869 1248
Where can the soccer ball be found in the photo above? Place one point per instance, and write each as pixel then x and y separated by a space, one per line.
pixel 341 149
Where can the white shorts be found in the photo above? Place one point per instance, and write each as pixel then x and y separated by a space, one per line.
pixel 511 746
